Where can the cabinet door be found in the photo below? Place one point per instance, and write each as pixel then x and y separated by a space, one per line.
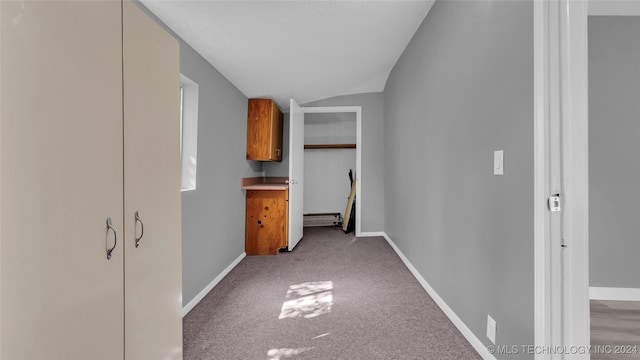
pixel 264 131
pixel 153 269
pixel 265 222
pixel 258 129
pixel 61 178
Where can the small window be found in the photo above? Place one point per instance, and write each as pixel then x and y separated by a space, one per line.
pixel 188 132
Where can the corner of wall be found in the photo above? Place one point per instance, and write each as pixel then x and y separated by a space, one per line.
pixel 455 319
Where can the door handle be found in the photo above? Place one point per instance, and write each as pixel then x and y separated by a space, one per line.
pixel 115 238
pixel 138 220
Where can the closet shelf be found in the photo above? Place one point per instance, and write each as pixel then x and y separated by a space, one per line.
pixel 330 146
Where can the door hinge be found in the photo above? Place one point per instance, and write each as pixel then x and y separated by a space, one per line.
pixel 554 203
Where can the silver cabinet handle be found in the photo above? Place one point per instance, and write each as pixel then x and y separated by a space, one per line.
pixel 115 238
pixel 138 238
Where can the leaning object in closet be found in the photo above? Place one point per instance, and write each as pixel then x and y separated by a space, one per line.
pixel 349 223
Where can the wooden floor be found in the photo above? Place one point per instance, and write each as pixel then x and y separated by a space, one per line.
pixel 615 330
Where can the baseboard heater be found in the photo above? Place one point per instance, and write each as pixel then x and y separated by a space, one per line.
pixel 324 219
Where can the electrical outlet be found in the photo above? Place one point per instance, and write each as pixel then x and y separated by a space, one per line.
pixel 491 329
pixel 498 162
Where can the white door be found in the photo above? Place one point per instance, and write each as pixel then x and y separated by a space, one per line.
pixel 296 173
pixel 152 239
pixel 61 121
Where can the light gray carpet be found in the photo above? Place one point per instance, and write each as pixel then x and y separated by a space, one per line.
pixel 615 330
pixel 333 297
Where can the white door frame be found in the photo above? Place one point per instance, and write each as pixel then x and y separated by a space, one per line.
pixel 574 98
pixel 546 301
pixel 574 154
pixel 561 275
pixel 358 177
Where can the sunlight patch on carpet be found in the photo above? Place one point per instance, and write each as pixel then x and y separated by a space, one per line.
pixel 308 300
pixel 277 354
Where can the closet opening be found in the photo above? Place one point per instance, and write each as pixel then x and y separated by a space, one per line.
pixel 332 139
pixel 330 169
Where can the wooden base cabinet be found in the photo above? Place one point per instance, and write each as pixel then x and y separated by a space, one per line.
pixel 90 244
pixel 266 221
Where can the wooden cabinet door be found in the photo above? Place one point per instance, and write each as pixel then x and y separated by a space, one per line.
pixel 153 269
pixel 61 178
pixel 264 131
pixel 266 221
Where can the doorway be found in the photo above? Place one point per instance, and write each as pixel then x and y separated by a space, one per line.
pixel 296 165
pixel 329 158
pixel 614 175
pixel 357 110
pixel 569 40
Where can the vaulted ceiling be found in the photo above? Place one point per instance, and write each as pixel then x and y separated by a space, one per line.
pixel 308 50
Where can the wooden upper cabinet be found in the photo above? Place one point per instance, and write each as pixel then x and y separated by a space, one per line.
pixel 264 131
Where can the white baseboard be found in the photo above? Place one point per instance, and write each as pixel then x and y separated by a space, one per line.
pixel 212 284
pixel 466 332
pixel 618 294
pixel 371 233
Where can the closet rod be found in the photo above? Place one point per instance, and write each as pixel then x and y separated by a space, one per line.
pixel 330 146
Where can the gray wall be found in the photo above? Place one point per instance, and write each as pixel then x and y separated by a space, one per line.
pixel 614 149
pixel 462 89
pixel 213 214
pixel 372 155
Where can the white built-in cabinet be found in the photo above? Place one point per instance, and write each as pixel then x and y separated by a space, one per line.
pixel 89 131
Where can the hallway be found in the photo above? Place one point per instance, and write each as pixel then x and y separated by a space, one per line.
pixel 333 297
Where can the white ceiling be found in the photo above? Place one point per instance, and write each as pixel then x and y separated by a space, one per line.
pixel 308 50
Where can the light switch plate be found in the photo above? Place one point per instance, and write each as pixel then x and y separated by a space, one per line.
pixel 498 162
pixel 491 329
